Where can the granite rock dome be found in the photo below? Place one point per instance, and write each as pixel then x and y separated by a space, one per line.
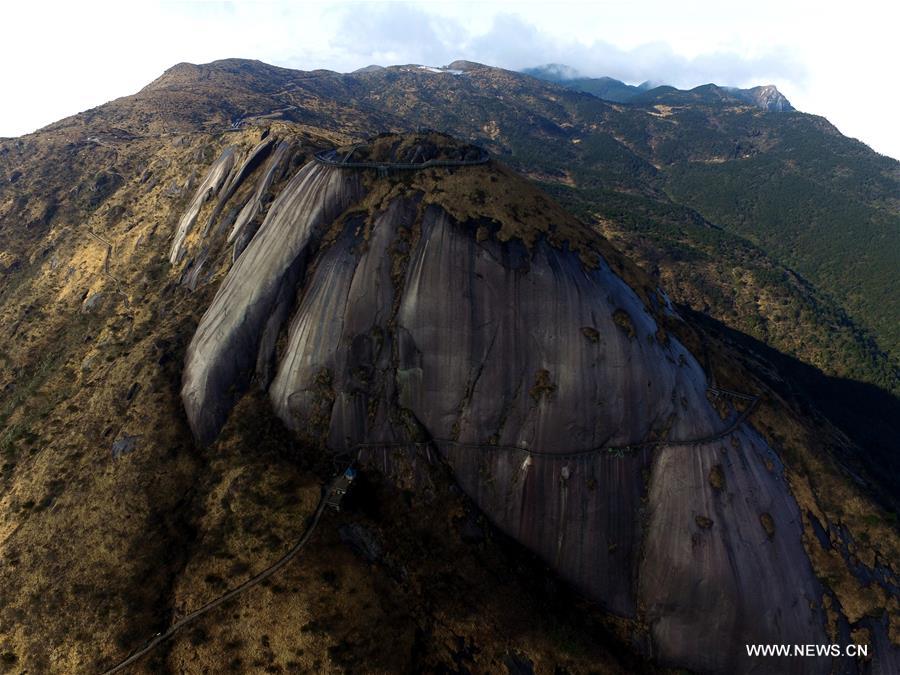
pixel 456 314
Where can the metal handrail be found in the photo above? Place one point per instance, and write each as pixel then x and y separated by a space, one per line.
pixel 330 157
pixel 616 450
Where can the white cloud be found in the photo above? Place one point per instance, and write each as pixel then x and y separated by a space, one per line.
pixel 831 59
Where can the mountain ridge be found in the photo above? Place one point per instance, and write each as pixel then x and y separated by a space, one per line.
pixel 765 97
pixel 95 437
pixel 320 108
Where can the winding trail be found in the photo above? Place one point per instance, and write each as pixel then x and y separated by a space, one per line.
pixel 247 585
pixel 354 451
pixel 110 251
pixel 331 158
pixel 619 451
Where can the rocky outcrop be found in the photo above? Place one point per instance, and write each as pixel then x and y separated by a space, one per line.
pixel 237 177
pixel 337 372
pixel 767 98
pixel 237 333
pixel 210 186
pixel 537 374
pixel 242 230
pixel 723 542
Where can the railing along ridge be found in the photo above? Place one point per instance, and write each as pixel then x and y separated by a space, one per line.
pixel 615 450
pixel 330 158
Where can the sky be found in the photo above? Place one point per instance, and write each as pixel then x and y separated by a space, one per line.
pixel 836 59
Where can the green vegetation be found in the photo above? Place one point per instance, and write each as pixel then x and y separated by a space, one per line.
pixel 716 477
pixel 772 223
pixel 826 230
pixel 623 320
pixel 543 385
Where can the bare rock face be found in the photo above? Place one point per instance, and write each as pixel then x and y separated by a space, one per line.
pixel 238 332
pixel 457 309
pixel 769 98
pixel 242 230
pixel 734 551
pixel 212 183
pixel 237 176
pixel 766 98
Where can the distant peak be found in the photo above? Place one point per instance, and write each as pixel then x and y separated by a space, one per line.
pixel 463 65
pixel 769 98
pixel 187 73
pixel 556 72
pixel 373 68
pixel 766 97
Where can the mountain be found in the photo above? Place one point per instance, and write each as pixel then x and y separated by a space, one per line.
pixel 114 521
pixel 764 97
pixel 512 386
pixel 624 176
pixel 204 307
pixel 607 88
pixel 623 166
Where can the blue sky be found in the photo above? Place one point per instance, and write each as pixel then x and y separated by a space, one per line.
pixel 833 59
